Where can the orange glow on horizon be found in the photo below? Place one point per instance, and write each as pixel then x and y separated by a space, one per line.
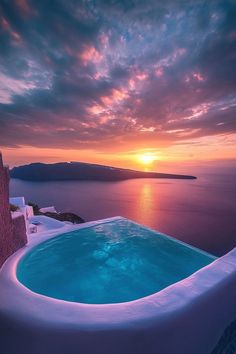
pixel 147 159
pixel 173 159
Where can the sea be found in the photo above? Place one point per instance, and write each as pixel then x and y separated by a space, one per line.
pixel 201 212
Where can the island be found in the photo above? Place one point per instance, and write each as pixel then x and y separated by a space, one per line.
pixel 82 171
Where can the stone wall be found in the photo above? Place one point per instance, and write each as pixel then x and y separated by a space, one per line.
pixel 12 232
pixel 19 232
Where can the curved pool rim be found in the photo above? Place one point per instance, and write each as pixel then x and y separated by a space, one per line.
pixel 158 310
pixel 21 267
pixel 10 270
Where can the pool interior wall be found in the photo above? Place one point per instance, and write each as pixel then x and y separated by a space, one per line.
pixel 113 262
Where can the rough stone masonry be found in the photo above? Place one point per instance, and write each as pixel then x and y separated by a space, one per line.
pixel 12 230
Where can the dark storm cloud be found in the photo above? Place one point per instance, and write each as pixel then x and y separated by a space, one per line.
pixel 81 73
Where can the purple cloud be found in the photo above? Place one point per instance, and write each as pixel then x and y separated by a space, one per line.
pixel 79 74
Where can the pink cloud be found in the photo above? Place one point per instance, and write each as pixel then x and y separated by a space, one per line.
pixel 148 130
pixel 7 27
pixel 25 7
pixel 170 59
pixel 115 97
pixel 159 72
pixel 104 40
pixel 10 86
pixel 141 76
pixel 198 76
pixel 135 82
pixel 198 111
pixel 90 54
pixel 194 76
pixel 131 84
pixel 96 109
pixel 4 24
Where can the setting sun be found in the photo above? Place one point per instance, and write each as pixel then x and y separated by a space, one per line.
pixel 147 159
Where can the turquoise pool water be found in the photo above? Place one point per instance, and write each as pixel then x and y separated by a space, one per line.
pixel 111 262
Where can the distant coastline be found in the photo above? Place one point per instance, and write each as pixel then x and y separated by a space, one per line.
pixel 81 171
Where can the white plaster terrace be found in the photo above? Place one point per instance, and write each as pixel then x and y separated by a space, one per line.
pixel 187 317
pixel 45 224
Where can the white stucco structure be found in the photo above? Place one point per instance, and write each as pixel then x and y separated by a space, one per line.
pixel 188 317
pixel 23 208
pixel 50 209
pixel 18 201
pixel 44 223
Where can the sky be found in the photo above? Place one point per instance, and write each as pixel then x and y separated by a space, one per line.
pixel 127 83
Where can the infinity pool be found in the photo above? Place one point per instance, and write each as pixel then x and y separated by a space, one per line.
pixel 113 262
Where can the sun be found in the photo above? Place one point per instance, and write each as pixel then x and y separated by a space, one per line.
pixel 147 159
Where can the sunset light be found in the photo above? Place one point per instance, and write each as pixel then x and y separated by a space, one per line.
pixel 147 159
pixel 120 82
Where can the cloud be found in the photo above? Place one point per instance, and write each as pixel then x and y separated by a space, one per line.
pixel 79 74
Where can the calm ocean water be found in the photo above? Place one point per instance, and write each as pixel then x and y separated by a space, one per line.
pixel 201 212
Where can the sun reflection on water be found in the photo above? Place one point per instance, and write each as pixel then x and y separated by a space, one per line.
pixel 146 203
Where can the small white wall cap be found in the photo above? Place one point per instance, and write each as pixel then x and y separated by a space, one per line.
pixel 46 222
pixel 18 201
pixel 16 214
pixel 50 209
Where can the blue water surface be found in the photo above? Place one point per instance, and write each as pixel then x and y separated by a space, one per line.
pixel 116 261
